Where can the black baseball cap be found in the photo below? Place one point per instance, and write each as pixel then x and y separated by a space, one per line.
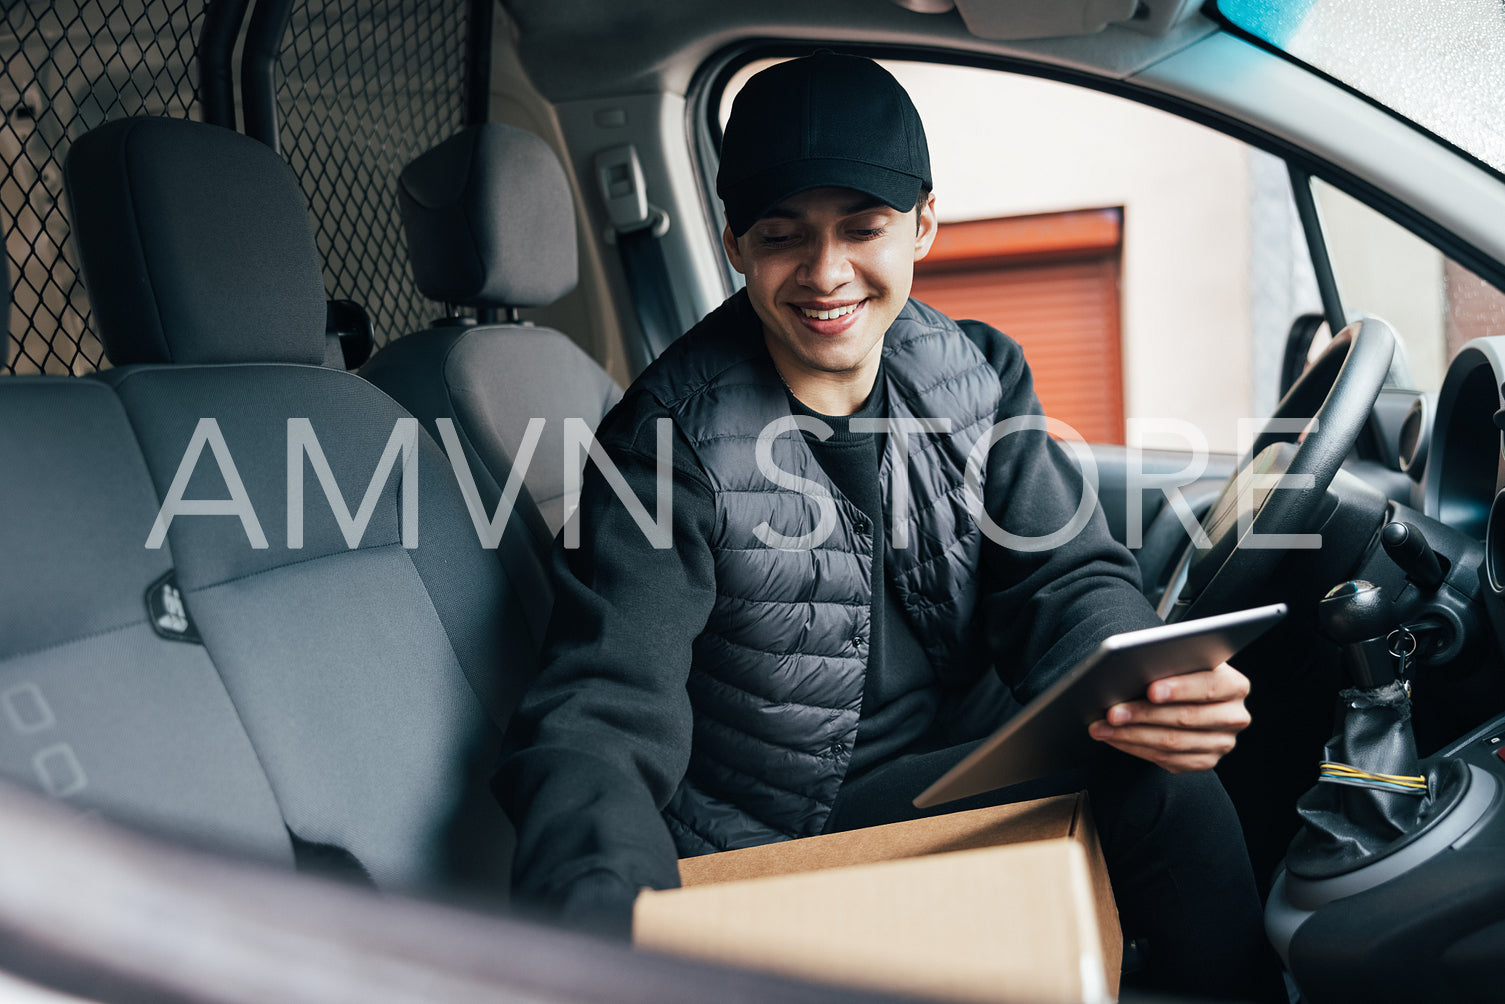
pixel 823 120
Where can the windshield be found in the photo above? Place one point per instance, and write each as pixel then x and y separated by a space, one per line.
pixel 1439 63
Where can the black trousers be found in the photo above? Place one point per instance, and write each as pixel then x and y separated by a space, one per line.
pixel 1175 855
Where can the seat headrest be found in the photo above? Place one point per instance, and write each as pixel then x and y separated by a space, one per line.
pixel 194 244
pixel 490 220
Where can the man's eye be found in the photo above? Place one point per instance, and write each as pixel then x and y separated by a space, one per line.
pixel 869 234
pixel 776 240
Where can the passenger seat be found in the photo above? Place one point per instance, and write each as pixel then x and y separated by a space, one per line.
pixel 333 705
pixel 490 224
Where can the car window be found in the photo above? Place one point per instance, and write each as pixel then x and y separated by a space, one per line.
pixel 1150 267
pixel 1434 304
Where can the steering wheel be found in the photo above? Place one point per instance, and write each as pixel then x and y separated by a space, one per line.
pixel 1240 552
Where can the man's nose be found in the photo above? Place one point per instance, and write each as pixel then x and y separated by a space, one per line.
pixel 826 267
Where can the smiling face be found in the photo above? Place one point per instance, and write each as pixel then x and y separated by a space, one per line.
pixel 827 272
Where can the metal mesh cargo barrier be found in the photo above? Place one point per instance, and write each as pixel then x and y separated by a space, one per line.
pixel 65 68
pixel 363 88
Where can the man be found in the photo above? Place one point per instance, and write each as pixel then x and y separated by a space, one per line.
pixel 813 645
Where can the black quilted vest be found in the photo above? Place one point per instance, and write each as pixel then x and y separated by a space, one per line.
pixel 777 675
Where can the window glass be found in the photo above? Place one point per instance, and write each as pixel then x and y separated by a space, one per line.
pixel 1434 304
pixel 1149 266
pixel 1437 62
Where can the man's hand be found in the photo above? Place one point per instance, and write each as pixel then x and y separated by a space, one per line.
pixel 1186 723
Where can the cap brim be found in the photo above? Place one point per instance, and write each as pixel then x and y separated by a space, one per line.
pixel 751 200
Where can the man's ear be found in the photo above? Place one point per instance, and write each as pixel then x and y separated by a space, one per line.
pixel 926 229
pixel 733 252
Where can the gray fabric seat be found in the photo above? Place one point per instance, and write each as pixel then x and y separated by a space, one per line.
pixel 490 224
pixel 325 704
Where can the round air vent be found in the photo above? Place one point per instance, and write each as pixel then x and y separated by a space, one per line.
pixel 1494 546
pixel 1415 433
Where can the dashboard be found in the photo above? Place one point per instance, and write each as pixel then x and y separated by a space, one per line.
pixel 1464 480
pixel 1463 463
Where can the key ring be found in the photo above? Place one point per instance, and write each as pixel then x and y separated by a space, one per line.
pixel 1402 644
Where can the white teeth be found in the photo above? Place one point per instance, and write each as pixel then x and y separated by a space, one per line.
pixel 826 315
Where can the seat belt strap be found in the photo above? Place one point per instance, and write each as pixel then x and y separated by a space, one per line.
pixel 648 285
pixel 636 228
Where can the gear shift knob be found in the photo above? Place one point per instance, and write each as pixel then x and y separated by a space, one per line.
pixel 1358 617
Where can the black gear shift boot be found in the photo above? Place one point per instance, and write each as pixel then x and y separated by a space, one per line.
pixel 1349 824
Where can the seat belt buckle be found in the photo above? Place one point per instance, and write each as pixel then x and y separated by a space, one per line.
pixel 619 175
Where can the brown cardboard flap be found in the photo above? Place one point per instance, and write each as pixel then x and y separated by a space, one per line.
pixel 1042 819
pixel 1109 931
pixel 1016 922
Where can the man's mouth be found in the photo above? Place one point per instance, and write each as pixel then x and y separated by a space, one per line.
pixel 831 313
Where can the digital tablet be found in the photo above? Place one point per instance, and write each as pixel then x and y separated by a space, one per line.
pixel 1050 733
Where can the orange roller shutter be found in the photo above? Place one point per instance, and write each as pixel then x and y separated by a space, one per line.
pixel 1052 283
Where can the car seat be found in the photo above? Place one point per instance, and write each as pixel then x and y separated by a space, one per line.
pixel 334 703
pixel 490 224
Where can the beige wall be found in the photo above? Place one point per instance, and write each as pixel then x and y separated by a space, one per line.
pixel 1386 271
pixel 1014 145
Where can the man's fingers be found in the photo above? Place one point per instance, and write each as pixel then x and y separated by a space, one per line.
pixel 1176 763
pixel 1225 715
pixel 1185 723
pixel 1209 686
pixel 1166 740
pixel 1176 750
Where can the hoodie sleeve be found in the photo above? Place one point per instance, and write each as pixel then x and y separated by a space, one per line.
pixel 1054 580
pixel 602 737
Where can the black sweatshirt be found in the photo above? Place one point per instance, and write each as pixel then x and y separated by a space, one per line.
pixel 899 698
pixel 602 738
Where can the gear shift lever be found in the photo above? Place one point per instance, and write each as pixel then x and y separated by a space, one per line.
pixel 1371 791
pixel 1358 617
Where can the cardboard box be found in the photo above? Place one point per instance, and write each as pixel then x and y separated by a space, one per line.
pixel 1003 904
